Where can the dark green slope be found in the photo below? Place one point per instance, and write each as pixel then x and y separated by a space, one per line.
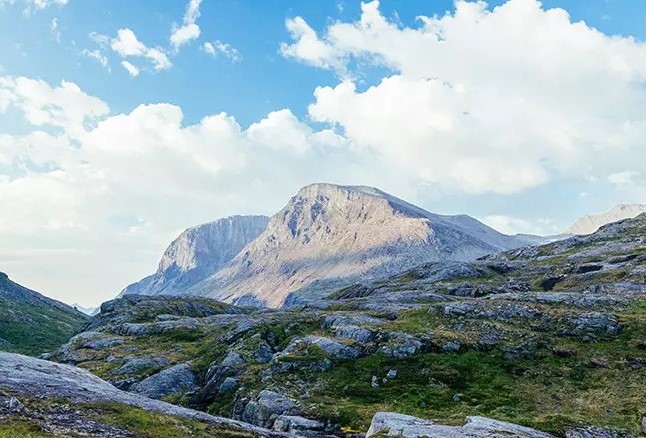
pixel 33 324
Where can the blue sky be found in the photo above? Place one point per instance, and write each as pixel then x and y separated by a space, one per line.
pixel 522 116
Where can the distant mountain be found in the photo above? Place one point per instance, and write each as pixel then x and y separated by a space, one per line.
pixel 533 239
pixel 329 235
pixel 591 223
pixel 198 253
pixel 90 311
pixel 31 323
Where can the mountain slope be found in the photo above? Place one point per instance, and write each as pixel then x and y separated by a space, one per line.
pixel 198 253
pixel 31 323
pixel 591 223
pixel 328 235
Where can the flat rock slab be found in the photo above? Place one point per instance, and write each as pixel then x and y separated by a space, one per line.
pixel 40 378
pixel 407 426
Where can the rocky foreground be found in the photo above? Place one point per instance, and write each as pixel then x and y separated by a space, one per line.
pixel 552 338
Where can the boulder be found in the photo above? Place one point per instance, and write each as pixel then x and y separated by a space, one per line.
pixel 329 346
pixel 593 323
pixel 401 345
pixel 295 424
pixel 233 359
pixel 593 432
pixel 394 424
pixel 228 385
pixel 407 426
pixel 266 409
pixel 355 333
pixel 178 379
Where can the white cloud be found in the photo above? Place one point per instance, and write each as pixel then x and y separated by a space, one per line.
pixel 626 177
pixel 42 4
pixel 483 100
pixel 189 30
pixel 218 47
pixel 35 5
pixel 132 70
pixel 97 56
pixel 65 106
pixel 309 48
pixel 148 164
pixel 54 29
pixel 126 44
pixel 512 225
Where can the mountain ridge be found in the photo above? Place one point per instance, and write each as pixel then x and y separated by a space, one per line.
pixel 328 234
pixel 590 223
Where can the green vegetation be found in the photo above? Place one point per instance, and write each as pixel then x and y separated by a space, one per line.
pixel 33 330
pixel 21 428
pixel 152 425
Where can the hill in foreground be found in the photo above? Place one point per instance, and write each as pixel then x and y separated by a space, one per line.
pixel 31 323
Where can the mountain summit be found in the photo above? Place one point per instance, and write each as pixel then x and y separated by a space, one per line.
pixel 198 253
pixel 328 235
pixel 591 223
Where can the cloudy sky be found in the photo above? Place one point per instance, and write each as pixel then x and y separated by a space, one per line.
pixel 123 122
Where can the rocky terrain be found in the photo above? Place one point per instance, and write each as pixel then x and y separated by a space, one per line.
pixel 546 340
pixel 41 398
pixel 198 253
pixel 329 236
pixel 31 323
pixel 591 223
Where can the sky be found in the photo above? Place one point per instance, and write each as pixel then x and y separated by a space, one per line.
pixel 124 122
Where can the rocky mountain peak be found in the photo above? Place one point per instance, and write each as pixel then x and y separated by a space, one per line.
pixel 590 223
pixel 199 252
pixel 328 234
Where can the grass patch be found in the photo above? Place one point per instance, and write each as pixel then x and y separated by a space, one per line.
pixel 152 425
pixel 21 428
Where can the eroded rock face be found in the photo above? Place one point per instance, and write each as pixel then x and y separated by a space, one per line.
pixel 406 426
pixel 199 252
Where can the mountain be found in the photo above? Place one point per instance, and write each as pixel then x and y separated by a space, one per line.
pixel 591 223
pixel 329 235
pixel 198 253
pixel 31 323
pixel 90 311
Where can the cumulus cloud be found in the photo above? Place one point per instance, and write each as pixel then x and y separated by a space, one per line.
pixel 189 30
pixel 126 44
pixel 65 106
pixel 218 47
pixel 309 48
pixel 150 165
pixel 483 100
